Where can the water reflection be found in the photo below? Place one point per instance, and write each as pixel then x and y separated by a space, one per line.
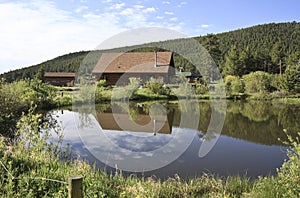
pixel 153 120
pixel 248 144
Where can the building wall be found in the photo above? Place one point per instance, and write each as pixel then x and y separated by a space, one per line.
pixel 123 79
pixel 60 81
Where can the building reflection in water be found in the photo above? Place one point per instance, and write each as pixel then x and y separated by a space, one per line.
pixel 139 119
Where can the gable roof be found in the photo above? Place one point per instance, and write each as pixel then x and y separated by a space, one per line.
pixel 134 62
pixel 59 74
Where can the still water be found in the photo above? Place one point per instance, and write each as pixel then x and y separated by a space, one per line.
pixel 149 139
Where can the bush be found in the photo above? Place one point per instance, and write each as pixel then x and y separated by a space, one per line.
pixel 289 173
pixel 277 82
pixel 126 92
pixel 201 88
pixel 18 97
pixel 156 86
pixel 101 83
pixel 234 85
pixel 185 90
pixel 257 82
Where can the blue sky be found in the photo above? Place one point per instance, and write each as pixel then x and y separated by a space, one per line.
pixel 34 31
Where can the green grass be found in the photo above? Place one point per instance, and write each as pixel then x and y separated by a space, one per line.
pixel 288 100
pixel 64 96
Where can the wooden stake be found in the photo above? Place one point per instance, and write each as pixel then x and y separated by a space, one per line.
pixel 75 186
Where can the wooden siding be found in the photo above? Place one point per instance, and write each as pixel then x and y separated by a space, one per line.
pixel 59 78
pixel 117 68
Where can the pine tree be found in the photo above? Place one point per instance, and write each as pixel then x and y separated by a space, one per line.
pixel 292 78
pixel 232 64
pixel 277 58
pixel 40 74
pixel 211 44
pixel 246 61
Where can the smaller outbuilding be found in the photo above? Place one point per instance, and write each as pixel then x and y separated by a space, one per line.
pixel 60 78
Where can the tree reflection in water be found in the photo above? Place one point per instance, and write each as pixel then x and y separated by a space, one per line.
pixel 261 122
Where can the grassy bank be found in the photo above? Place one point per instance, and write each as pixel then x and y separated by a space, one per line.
pixel 34 168
pixel 64 96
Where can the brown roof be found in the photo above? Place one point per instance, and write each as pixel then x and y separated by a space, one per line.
pixel 135 62
pixel 59 74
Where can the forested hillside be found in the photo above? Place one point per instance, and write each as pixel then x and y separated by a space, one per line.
pixel 262 47
pixel 269 47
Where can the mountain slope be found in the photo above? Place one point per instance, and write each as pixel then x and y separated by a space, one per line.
pixel 265 45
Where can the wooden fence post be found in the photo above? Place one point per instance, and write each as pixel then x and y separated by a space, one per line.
pixel 75 187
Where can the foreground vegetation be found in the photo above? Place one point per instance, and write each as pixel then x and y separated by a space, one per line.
pixel 33 167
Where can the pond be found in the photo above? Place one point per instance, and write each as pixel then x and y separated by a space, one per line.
pixel 149 139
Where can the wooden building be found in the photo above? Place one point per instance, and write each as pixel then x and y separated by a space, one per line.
pixel 117 68
pixel 59 78
pixel 189 76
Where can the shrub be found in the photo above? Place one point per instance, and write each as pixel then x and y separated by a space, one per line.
pixel 125 92
pixel 201 88
pixel 289 173
pixel 257 82
pixel 18 97
pixel 134 83
pixel 156 86
pixel 234 85
pixel 101 83
pixel 277 82
pixel 185 89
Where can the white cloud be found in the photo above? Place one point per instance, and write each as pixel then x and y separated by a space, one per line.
pixel 138 6
pixel 81 8
pixel 127 11
pixel 117 6
pixel 147 10
pixel 166 2
pixel 47 32
pixel 106 1
pixel 169 13
pixel 137 16
pixel 173 19
pixel 205 26
pixel 181 4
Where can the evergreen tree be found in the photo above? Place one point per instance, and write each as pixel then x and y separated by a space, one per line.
pixel 292 78
pixel 232 64
pixel 40 74
pixel 246 61
pixel 277 58
pixel 293 58
pixel 211 44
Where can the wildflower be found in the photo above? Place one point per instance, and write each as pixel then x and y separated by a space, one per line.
pixel 123 194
